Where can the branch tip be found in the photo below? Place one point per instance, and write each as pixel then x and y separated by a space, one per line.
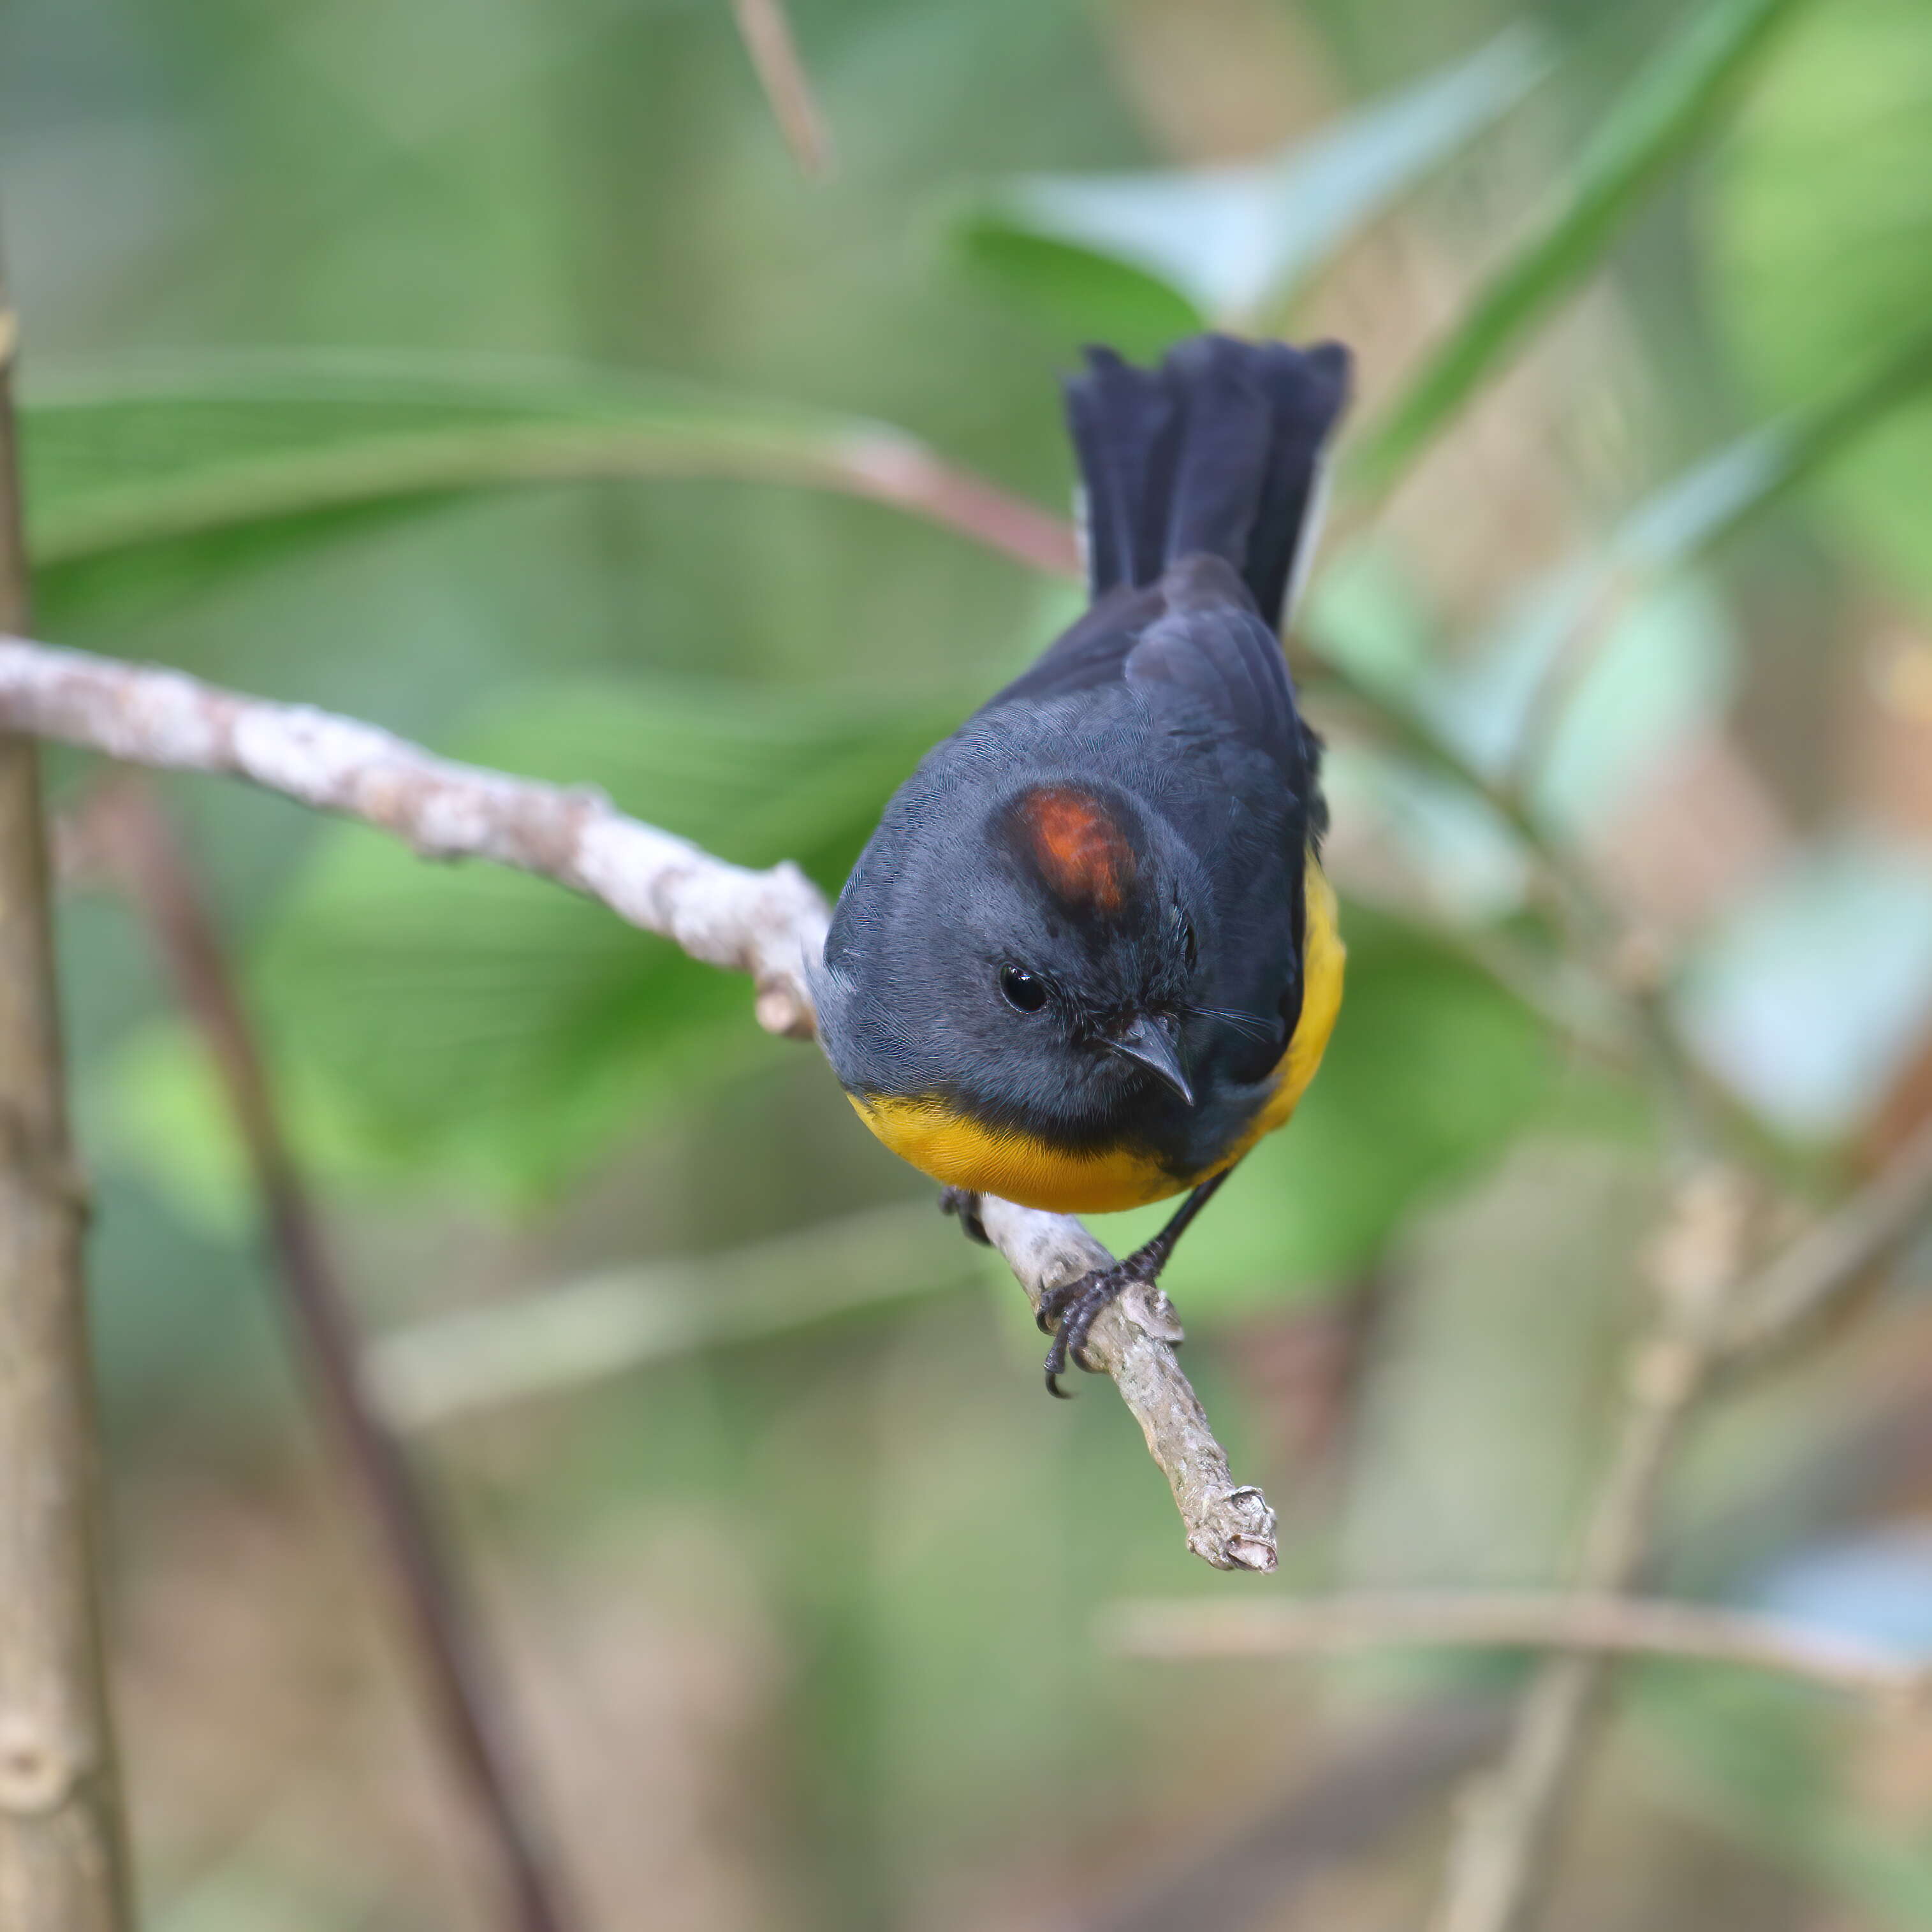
pixel 767 923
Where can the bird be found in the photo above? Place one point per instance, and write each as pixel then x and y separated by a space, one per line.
pixel 1090 956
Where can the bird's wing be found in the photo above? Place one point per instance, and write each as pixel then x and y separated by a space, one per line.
pixel 1090 653
pixel 1195 645
pixel 1209 649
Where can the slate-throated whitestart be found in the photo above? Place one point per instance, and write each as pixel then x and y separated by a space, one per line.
pixel 1090 957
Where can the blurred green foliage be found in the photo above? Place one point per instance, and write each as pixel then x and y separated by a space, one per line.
pixel 1136 260
pixel 489 373
pixel 1823 264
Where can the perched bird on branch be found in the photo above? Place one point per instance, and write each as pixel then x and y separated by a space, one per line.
pixel 1090 957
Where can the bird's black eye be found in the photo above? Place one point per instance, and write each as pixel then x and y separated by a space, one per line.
pixel 1024 990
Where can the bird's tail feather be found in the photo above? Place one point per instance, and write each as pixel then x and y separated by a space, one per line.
pixel 1218 450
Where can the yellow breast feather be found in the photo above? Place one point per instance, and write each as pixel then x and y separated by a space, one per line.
pixel 961 1152
pixel 1323 959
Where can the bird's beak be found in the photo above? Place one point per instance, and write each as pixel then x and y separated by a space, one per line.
pixel 1154 1040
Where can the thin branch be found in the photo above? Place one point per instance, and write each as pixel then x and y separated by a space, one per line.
pixel 1344 1803
pixel 1801 1287
pixel 451 1366
pixel 62 1864
pixel 767 34
pixel 1608 1626
pixel 455 1365
pixel 1229 1524
pixel 1713 1318
pixel 465 1705
pixel 873 462
pixel 1700 1110
pixel 894 469
pixel 1502 1858
pixel 765 923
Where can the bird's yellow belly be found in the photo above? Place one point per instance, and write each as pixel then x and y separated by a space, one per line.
pixel 961 1152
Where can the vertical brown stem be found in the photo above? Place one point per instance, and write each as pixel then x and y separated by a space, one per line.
pixel 457 1683
pixel 767 31
pixel 61 1867
pixel 1502 1863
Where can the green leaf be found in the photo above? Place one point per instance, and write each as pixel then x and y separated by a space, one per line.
pixel 251 443
pixel 1663 677
pixel 473 1025
pixel 1670 106
pixel 1816 990
pixel 1671 532
pixel 1692 516
pixel 1081 294
pixel 1822 236
pixel 1136 259
pixel 163 1113
pixel 1369 633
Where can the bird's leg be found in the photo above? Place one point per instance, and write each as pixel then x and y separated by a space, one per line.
pixel 963 1203
pixel 1076 1306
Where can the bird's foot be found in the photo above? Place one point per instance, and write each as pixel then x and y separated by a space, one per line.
pixel 963 1203
pixel 1076 1306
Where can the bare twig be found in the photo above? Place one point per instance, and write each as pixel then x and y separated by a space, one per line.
pixel 768 40
pixel 872 461
pixel 764 923
pixel 1609 1626
pixel 1712 1317
pixel 892 468
pixel 1229 1524
pixel 1799 1288
pixel 1699 1110
pixel 1500 1862
pixel 477 1359
pixel 1343 1803
pixel 62 1867
pixel 465 1706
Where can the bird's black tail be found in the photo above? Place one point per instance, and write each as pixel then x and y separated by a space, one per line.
pixel 1217 450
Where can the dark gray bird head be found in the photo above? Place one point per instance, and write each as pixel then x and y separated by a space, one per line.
pixel 1031 954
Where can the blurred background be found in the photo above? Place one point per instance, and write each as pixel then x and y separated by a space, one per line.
pixel 479 369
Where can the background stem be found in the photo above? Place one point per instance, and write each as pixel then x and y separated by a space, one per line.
pixel 452 1670
pixel 61 1866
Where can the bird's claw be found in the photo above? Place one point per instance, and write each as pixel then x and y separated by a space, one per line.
pixel 1075 1306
